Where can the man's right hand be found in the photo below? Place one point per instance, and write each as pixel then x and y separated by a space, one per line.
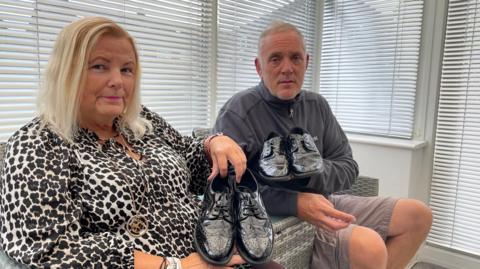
pixel 317 210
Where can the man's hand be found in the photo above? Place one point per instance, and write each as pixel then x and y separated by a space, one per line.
pixel 317 210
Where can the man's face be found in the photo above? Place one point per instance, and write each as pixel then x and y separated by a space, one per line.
pixel 282 63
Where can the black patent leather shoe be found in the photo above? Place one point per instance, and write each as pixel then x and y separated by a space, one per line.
pixel 305 160
pixel 273 161
pixel 214 233
pixel 254 233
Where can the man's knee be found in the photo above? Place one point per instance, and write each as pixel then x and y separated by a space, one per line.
pixel 423 216
pixel 413 215
pixel 367 249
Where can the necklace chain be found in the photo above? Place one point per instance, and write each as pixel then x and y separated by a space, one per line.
pixel 137 225
pixel 103 140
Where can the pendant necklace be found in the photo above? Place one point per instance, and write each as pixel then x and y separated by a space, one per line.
pixel 137 225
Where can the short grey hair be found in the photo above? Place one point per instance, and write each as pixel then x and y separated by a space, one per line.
pixel 277 26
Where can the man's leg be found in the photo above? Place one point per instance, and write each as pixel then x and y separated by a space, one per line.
pixel 410 224
pixel 403 224
pixel 367 249
pixel 354 247
pixel 361 245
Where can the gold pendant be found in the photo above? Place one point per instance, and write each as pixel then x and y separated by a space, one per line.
pixel 137 226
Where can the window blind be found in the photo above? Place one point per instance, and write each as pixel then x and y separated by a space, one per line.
pixel 455 186
pixel 19 65
pixel 240 23
pixel 173 38
pixel 369 62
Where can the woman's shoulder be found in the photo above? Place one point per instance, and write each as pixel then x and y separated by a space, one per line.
pixel 153 117
pixel 27 131
pixel 33 134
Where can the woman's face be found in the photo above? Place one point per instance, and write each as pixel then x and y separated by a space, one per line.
pixel 110 80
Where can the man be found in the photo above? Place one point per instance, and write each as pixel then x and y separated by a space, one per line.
pixel 353 232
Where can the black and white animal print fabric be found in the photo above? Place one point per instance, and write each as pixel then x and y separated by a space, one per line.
pixel 65 205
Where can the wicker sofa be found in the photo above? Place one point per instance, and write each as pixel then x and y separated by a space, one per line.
pixel 293 237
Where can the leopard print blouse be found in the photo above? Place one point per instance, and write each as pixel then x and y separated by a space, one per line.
pixel 65 205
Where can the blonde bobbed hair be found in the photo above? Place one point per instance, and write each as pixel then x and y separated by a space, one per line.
pixel 64 78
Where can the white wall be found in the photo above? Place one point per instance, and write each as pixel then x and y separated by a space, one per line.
pixel 392 161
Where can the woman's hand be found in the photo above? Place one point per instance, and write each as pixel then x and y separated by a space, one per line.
pixel 194 261
pixel 222 151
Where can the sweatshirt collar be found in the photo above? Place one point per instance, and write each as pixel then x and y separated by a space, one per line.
pixel 267 96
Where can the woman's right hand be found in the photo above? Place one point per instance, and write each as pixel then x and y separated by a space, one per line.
pixel 195 261
pixel 224 150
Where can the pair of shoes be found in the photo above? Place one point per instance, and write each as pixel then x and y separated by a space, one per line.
pixel 295 156
pixel 234 214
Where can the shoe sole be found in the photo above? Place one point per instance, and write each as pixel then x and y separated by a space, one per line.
pixel 270 178
pixel 291 176
pixel 306 174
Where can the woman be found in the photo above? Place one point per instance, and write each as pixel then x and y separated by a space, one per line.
pixel 97 180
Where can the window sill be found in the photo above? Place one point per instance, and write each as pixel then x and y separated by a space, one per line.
pixel 387 142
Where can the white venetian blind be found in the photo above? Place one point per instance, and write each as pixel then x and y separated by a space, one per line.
pixel 173 38
pixel 455 187
pixel 19 65
pixel 240 23
pixel 369 61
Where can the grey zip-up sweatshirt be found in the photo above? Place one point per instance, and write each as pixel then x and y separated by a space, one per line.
pixel 251 115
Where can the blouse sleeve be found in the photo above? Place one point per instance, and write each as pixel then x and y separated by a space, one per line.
pixel 190 148
pixel 40 215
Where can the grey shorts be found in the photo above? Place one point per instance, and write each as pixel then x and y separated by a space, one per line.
pixel 330 250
